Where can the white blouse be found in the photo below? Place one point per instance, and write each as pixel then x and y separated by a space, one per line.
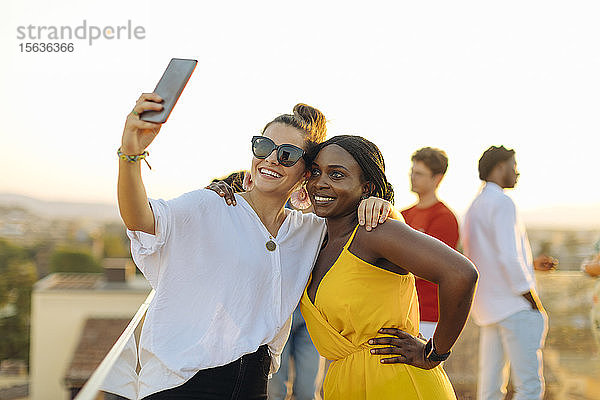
pixel 220 293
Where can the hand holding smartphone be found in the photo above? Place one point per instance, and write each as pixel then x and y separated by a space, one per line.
pixel 169 87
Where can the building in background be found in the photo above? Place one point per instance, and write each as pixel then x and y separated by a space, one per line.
pixel 70 309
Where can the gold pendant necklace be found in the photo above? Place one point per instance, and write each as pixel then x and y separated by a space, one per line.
pixel 271 245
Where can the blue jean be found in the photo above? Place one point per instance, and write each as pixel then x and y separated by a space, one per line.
pixel 306 363
pixel 514 344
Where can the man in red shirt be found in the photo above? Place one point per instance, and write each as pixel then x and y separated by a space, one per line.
pixel 432 217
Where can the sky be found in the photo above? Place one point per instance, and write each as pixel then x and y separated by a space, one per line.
pixel 460 76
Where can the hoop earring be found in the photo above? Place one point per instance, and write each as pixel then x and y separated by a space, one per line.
pixel 300 199
pixel 247 183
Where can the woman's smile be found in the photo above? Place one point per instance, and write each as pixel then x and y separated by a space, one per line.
pixel 269 173
pixel 335 184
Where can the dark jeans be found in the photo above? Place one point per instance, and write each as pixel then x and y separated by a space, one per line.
pixel 243 379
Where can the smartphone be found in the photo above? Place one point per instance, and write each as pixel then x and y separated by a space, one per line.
pixel 169 87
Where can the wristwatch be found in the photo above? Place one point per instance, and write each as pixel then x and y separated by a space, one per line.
pixel 432 355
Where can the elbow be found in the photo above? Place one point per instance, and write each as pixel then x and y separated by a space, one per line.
pixel 458 286
pixel 467 277
pixel 473 275
pixel 461 278
pixel 470 274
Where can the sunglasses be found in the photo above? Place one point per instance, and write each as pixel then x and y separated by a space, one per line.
pixel 287 154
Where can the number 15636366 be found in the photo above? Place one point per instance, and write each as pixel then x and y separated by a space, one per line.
pixel 46 47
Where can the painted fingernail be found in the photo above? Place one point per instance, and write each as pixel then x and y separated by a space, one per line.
pixel 228 201
pixel 372 351
pixel 371 341
pixel 361 222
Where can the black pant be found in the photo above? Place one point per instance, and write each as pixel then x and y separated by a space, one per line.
pixel 243 379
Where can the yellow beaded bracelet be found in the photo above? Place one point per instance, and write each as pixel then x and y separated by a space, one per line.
pixel 134 158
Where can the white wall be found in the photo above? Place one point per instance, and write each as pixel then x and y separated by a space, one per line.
pixel 57 318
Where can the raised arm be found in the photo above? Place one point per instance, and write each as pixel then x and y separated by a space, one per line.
pixel 137 136
pixel 430 259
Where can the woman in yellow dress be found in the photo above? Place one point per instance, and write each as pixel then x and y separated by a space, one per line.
pixel 361 301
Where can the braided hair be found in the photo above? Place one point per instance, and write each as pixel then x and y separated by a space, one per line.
pixel 370 159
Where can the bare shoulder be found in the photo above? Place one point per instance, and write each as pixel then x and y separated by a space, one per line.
pixel 395 237
pixel 390 230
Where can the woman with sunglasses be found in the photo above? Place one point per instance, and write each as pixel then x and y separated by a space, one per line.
pixel 227 279
pixel 361 302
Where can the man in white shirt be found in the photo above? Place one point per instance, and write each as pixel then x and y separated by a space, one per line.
pixel 506 307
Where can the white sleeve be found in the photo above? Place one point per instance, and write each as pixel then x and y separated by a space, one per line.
pixel 172 220
pixel 508 245
pixel 276 345
pixel 146 248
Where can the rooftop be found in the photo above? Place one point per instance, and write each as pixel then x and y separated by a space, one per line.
pixel 87 281
pixel 96 339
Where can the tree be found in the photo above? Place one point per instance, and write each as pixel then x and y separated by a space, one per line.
pixel 9 253
pixel 17 276
pixel 73 260
pixel 115 245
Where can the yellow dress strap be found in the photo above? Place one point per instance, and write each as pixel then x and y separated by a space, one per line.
pixel 351 237
pixel 330 343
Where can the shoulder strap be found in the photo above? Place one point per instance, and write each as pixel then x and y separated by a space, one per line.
pixel 351 237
